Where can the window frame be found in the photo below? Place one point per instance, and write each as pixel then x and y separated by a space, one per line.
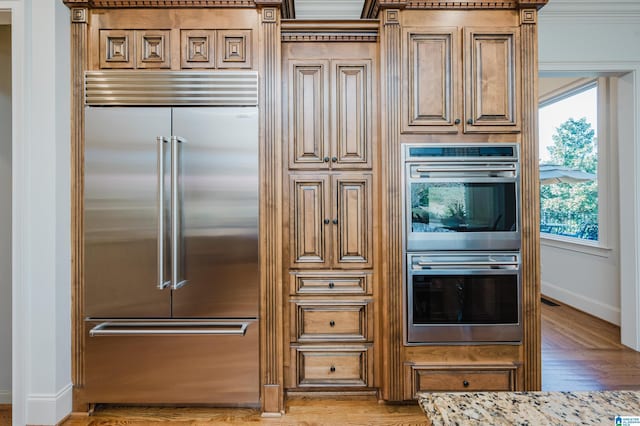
pixel 606 164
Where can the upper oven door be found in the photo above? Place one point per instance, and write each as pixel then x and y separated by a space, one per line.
pixel 462 206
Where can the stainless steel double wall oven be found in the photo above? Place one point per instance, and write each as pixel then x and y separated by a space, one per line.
pixel 462 243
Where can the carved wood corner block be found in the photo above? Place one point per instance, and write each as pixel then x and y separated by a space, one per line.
pixel 392 17
pixel 528 16
pixel 269 14
pixel 153 49
pixel 198 48
pixel 78 15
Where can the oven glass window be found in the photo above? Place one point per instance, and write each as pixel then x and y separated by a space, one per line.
pixel 465 299
pixel 463 207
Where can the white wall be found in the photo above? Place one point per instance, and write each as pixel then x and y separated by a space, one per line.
pixel 5 212
pixel 42 390
pixel 595 36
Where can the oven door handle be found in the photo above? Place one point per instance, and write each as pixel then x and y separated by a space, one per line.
pixel 463 168
pixel 515 263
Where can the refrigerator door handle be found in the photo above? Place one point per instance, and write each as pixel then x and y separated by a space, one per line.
pixel 162 284
pixel 140 328
pixel 177 280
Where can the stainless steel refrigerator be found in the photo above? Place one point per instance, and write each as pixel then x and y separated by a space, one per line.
pixel 171 251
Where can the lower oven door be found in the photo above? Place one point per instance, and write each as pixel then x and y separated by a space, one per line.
pixel 463 298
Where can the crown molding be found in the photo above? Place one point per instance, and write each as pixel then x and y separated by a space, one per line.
pixel 372 8
pixel 107 4
pixel 337 30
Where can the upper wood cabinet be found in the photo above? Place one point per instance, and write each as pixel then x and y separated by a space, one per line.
pixel 329 114
pixel 492 80
pixel 470 85
pixel 331 221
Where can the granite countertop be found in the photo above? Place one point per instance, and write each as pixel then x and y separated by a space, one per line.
pixel 529 408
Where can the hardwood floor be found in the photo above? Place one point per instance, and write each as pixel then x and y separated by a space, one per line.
pixel 5 415
pixel 579 352
pixel 300 411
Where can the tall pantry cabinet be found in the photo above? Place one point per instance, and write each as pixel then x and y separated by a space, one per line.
pixel 329 104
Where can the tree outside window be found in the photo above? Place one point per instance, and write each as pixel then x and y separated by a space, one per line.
pixel 569 203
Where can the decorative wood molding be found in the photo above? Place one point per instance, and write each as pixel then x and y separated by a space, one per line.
pixel 530 211
pixel 392 206
pixel 153 49
pixel 271 308
pixel 358 30
pixel 78 15
pixel 528 16
pixel 299 37
pixel 78 65
pixel 532 4
pixel 121 4
pixel 198 48
pixel 234 49
pixel 372 8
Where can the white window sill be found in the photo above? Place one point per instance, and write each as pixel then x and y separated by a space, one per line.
pixel 574 244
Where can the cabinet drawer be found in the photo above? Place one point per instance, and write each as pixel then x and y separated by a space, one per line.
pixel 460 378
pixel 331 366
pixel 313 321
pixel 326 283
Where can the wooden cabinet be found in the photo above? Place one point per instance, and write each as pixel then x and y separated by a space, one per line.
pixel 330 220
pixel 459 378
pixel 343 320
pixel 329 114
pixel 331 366
pixel 328 90
pixel 330 283
pixel 453 85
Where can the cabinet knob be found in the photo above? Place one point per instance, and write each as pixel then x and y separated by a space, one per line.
pixel 326 221
pixel 334 159
pixel 457 121
pixel 335 221
pixel 465 384
pixel 470 121
pixel 332 323
pixel 331 285
pixel 332 369
pixel 326 159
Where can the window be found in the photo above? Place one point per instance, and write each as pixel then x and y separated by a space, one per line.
pixel 570 190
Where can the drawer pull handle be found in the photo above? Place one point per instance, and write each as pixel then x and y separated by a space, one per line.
pixel 465 384
pixel 332 323
pixel 331 285
pixel 332 369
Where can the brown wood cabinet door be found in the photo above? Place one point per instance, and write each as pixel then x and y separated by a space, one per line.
pixel 352 220
pixel 308 106
pixel 351 114
pixel 431 81
pixel 492 79
pixel 310 219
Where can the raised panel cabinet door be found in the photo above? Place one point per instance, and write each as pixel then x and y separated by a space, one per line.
pixel 351 114
pixel 310 218
pixel 430 80
pixel 352 221
pixel 492 80
pixel 308 105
